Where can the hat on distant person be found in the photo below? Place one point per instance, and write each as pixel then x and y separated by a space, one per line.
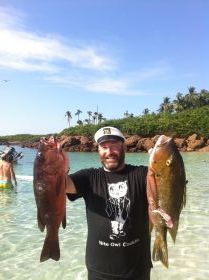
pixel 108 133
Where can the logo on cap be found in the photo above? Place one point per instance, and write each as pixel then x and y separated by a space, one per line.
pixel 106 130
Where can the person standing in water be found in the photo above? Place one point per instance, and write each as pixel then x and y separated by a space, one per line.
pixel 118 240
pixel 7 174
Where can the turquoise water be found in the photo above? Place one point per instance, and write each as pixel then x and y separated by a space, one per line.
pixel 21 240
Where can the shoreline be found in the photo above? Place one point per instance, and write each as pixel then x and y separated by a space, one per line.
pixel 135 143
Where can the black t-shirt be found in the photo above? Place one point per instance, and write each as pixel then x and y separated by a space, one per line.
pixel 118 242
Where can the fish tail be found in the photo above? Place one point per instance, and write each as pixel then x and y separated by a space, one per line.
pixel 160 251
pixel 51 249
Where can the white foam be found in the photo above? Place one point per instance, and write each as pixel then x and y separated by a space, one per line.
pixel 24 177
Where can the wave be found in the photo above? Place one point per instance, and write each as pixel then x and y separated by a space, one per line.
pixel 24 177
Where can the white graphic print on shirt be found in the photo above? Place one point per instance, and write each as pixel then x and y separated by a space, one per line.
pixel 117 208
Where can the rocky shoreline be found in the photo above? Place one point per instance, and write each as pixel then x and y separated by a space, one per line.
pixel 135 143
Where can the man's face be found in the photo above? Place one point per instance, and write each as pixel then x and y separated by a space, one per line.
pixel 112 155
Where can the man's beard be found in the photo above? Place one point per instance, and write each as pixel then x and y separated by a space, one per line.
pixel 119 162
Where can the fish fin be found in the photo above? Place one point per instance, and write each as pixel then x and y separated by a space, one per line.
pixel 173 231
pixel 51 249
pixel 160 250
pixel 41 225
pixel 167 219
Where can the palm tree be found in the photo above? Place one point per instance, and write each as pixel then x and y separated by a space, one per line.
pixel 126 114
pixel 79 122
pixel 87 121
pixel 166 106
pixel 78 113
pixel 191 98
pixel 203 97
pixel 145 111
pixel 100 118
pixel 90 115
pixel 69 117
pixel 179 103
pixel 96 117
pixel 192 90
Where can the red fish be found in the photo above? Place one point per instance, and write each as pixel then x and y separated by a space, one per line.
pixel 50 175
pixel 166 192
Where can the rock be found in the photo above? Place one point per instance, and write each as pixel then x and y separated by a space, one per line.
pixel 195 144
pixel 147 143
pixel 180 143
pixel 204 149
pixel 135 143
pixel 84 140
pixel 132 141
pixel 193 137
pixel 64 140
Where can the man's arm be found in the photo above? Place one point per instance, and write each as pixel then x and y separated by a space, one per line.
pixel 70 188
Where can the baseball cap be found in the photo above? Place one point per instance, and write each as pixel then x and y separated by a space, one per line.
pixel 108 133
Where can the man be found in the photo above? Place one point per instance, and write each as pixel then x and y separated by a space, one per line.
pixel 118 242
pixel 7 174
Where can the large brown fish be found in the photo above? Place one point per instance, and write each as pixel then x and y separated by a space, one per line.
pixel 50 175
pixel 166 192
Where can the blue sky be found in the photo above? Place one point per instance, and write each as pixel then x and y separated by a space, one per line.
pixel 117 55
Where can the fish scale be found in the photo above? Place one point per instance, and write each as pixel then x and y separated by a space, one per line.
pixel 166 193
pixel 50 175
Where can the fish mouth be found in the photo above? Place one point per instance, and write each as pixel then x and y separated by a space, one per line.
pixel 49 142
pixel 162 140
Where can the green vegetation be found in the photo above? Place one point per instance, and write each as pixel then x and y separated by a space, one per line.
pixel 185 115
pixel 180 124
pixel 21 138
pixel 182 117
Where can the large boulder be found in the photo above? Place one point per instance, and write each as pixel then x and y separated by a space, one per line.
pixel 181 143
pixel 132 141
pixel 147 144
pixel 193 143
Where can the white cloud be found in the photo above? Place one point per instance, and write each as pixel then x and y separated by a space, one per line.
pixel 158 71
pixel 11 18
pixel 97 84
pixel 107 85
pixel 19 47
pixel 27 66
pixel 66 64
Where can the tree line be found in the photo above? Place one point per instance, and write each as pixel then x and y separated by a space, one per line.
pixel 186 114
pixel 93 117
pixel 191 100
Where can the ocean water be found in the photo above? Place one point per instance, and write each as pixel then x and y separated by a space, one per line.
pixel 21 241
